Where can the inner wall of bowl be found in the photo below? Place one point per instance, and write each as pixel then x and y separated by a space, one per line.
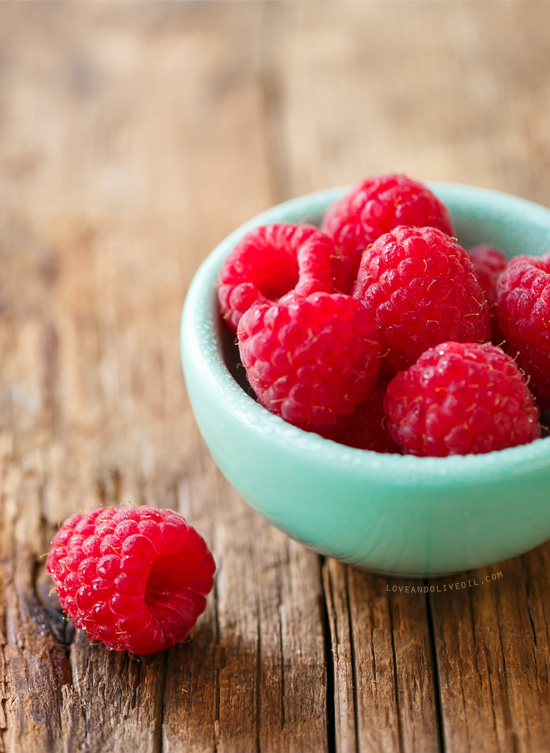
pixel 391 514
pixel 514 225
pixel 480 215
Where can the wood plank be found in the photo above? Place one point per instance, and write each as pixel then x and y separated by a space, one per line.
pixel 367 88
pixel 152 147
pixel 132 139
pixel 384 686
pixel 372 91
pixel 264 641
pixel 493 655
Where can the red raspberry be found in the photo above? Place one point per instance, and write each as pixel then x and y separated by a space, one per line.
pixel 377 205
pixel 461 398
pixel 524 317
pixel 489 263
pixel 421 287
pixel 135 579
pixel 310 360
pixel 367 427
pixel 273 260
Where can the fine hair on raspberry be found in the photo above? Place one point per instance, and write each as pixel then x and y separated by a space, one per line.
pixel 421 287
pixel 310 360
pixel 489 263
pixel 376 205
pixel 523 292
pixel 459 399
pixel 134 578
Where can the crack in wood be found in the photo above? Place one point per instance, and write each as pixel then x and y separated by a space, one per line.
pixel 354 680
pixel 395 676
pixel 330 639
pixel 258 686
pixel 435 672
pixel 217 667
pixel 158 738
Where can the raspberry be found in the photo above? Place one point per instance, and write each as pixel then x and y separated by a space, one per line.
pixel 377 205
pixel 489 263
pixel 367 427
pixel 310 360
pixel 273 260
pixel 524 317
pixel 135 579
pixel 421 287
pixel 461 398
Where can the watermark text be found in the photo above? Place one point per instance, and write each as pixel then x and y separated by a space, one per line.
pixel 441 587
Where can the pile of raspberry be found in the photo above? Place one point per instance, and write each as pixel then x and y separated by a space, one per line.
pixel 381 332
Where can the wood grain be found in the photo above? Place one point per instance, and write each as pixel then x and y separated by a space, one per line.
pixel 493 656
pixel 132 139
pixel 96 408
pixel 465 104
pixel 384 685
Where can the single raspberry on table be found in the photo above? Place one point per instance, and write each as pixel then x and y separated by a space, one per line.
pixel 461 398
pixel 489 263
pixel 421 287
pixel 375 206
pixel 366 428
pixel 273 260
pixel 310 360
pixel 524 317
pixel 134 578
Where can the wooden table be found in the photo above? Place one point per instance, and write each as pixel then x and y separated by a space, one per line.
pixel 132 139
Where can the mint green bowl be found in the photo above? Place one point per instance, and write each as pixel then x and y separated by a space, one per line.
pixel 390 514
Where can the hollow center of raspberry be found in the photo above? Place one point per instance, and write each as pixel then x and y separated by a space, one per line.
pixel 278 275
pixel 167 594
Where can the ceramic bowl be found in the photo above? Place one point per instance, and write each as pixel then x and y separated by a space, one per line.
pixel 390 514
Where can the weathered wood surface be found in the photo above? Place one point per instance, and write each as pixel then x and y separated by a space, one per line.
pixel 132 139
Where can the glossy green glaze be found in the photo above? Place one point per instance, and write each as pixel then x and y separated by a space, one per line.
pixel 390 514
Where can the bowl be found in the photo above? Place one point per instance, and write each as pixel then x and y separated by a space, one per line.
pixel 390 514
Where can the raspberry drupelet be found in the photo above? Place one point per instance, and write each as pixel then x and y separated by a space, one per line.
pixel 524 318
pixel 489 263
pixel 375 206
pixel 273 260
pixel 421 287
pixel 310 360
pixel 461 398
pixel 134 578
pixel 366 428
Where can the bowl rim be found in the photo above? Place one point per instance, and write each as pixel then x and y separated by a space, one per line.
pixel 200 339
